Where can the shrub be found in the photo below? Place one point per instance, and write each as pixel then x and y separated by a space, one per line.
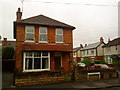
pixel 100 62
pixel 87 62
pixel 7 52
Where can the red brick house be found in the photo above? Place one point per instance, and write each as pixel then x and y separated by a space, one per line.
pixel 42 44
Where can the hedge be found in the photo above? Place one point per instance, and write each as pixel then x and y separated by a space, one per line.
pixel 7 52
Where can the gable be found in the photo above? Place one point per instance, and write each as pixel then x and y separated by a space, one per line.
pixel 43 21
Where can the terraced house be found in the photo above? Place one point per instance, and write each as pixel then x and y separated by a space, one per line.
pixel 93 51
pixel 112 51
pixel 42 44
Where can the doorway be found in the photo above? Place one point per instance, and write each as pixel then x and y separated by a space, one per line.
pixel 57 62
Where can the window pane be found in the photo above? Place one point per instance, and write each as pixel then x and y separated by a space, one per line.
pixel 37 54
pixel 43 30
pixel 37 63
pixel 29 54
pixel 29 36
pixel 28 63
pixel 59 38
pixel 43 37
pixel 45 54
pixel 59 31
pixel 44 63
pixel 30 29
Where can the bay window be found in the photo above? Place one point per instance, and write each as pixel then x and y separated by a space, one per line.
pixel 36 61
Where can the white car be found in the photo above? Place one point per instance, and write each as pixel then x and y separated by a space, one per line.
pixel 81 64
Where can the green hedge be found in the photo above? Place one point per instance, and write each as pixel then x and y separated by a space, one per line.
pixel 87 62
pixel 7 52
pixel 100 62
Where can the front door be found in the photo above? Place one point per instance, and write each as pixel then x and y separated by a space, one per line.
pixel 57 62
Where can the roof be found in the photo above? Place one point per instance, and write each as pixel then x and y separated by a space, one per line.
pixel 113 42
pixel 91 46
pixel 43 21
pixel 76 49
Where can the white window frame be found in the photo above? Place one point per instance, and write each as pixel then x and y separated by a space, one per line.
pixel 44 34
pixel 60 35
pixel 29 33
pixel 34 70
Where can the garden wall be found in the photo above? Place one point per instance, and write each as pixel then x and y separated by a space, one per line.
pixel 82 75
pixel 27 79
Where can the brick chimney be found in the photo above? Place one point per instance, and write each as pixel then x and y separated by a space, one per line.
pixel 108 40
pixel 4 42
pixel 85 45
pixel 101 39
pixel 19 15
pixel 81 45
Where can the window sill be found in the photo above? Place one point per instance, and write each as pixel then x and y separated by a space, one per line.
pixel 59 42
pixel 38 70
pixel 30 41
pixel 43 42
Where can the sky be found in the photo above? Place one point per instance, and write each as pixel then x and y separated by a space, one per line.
pixel 92 18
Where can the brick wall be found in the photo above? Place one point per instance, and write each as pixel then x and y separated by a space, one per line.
pixel 82 75
pixel 27 79
pixel 20 38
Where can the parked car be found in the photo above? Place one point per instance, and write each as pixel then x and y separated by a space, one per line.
pixel 81 64
pixel 101 66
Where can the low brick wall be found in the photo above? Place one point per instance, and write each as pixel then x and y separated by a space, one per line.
pixel 27 79
pixel 82 75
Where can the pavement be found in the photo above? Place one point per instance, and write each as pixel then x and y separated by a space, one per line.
pixel 98 84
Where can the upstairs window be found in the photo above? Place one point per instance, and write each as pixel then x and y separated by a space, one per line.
pixel 43 34
pixel 92 51
pixel 59 35
pixel 29 31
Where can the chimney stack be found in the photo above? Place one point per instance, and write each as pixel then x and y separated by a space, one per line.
pixel 85 45
pixel 108 40
pixel 19 15
pixel 81 45
pixel 101 39
pixel 4 42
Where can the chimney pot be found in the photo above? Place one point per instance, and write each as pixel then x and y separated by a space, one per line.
pixel 81 45
pixel 19 15
pixel 108 40
pixel 85 45
pixel 101 39
pixel 4 42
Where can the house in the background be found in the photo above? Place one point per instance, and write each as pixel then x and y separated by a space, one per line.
pixel 112 50
pixel 42 44
pixel 93 51
pixel 77 54
pixel 9 43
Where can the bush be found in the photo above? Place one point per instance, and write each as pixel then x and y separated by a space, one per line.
pixel 87 62
pixel 100 62
pixel 7 52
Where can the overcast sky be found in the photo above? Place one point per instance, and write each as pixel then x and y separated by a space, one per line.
pixel 92 18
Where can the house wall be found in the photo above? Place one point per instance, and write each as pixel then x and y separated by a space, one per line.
pixel 89 53
pixel 20 40
pixel 100 50
pixel 111 50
